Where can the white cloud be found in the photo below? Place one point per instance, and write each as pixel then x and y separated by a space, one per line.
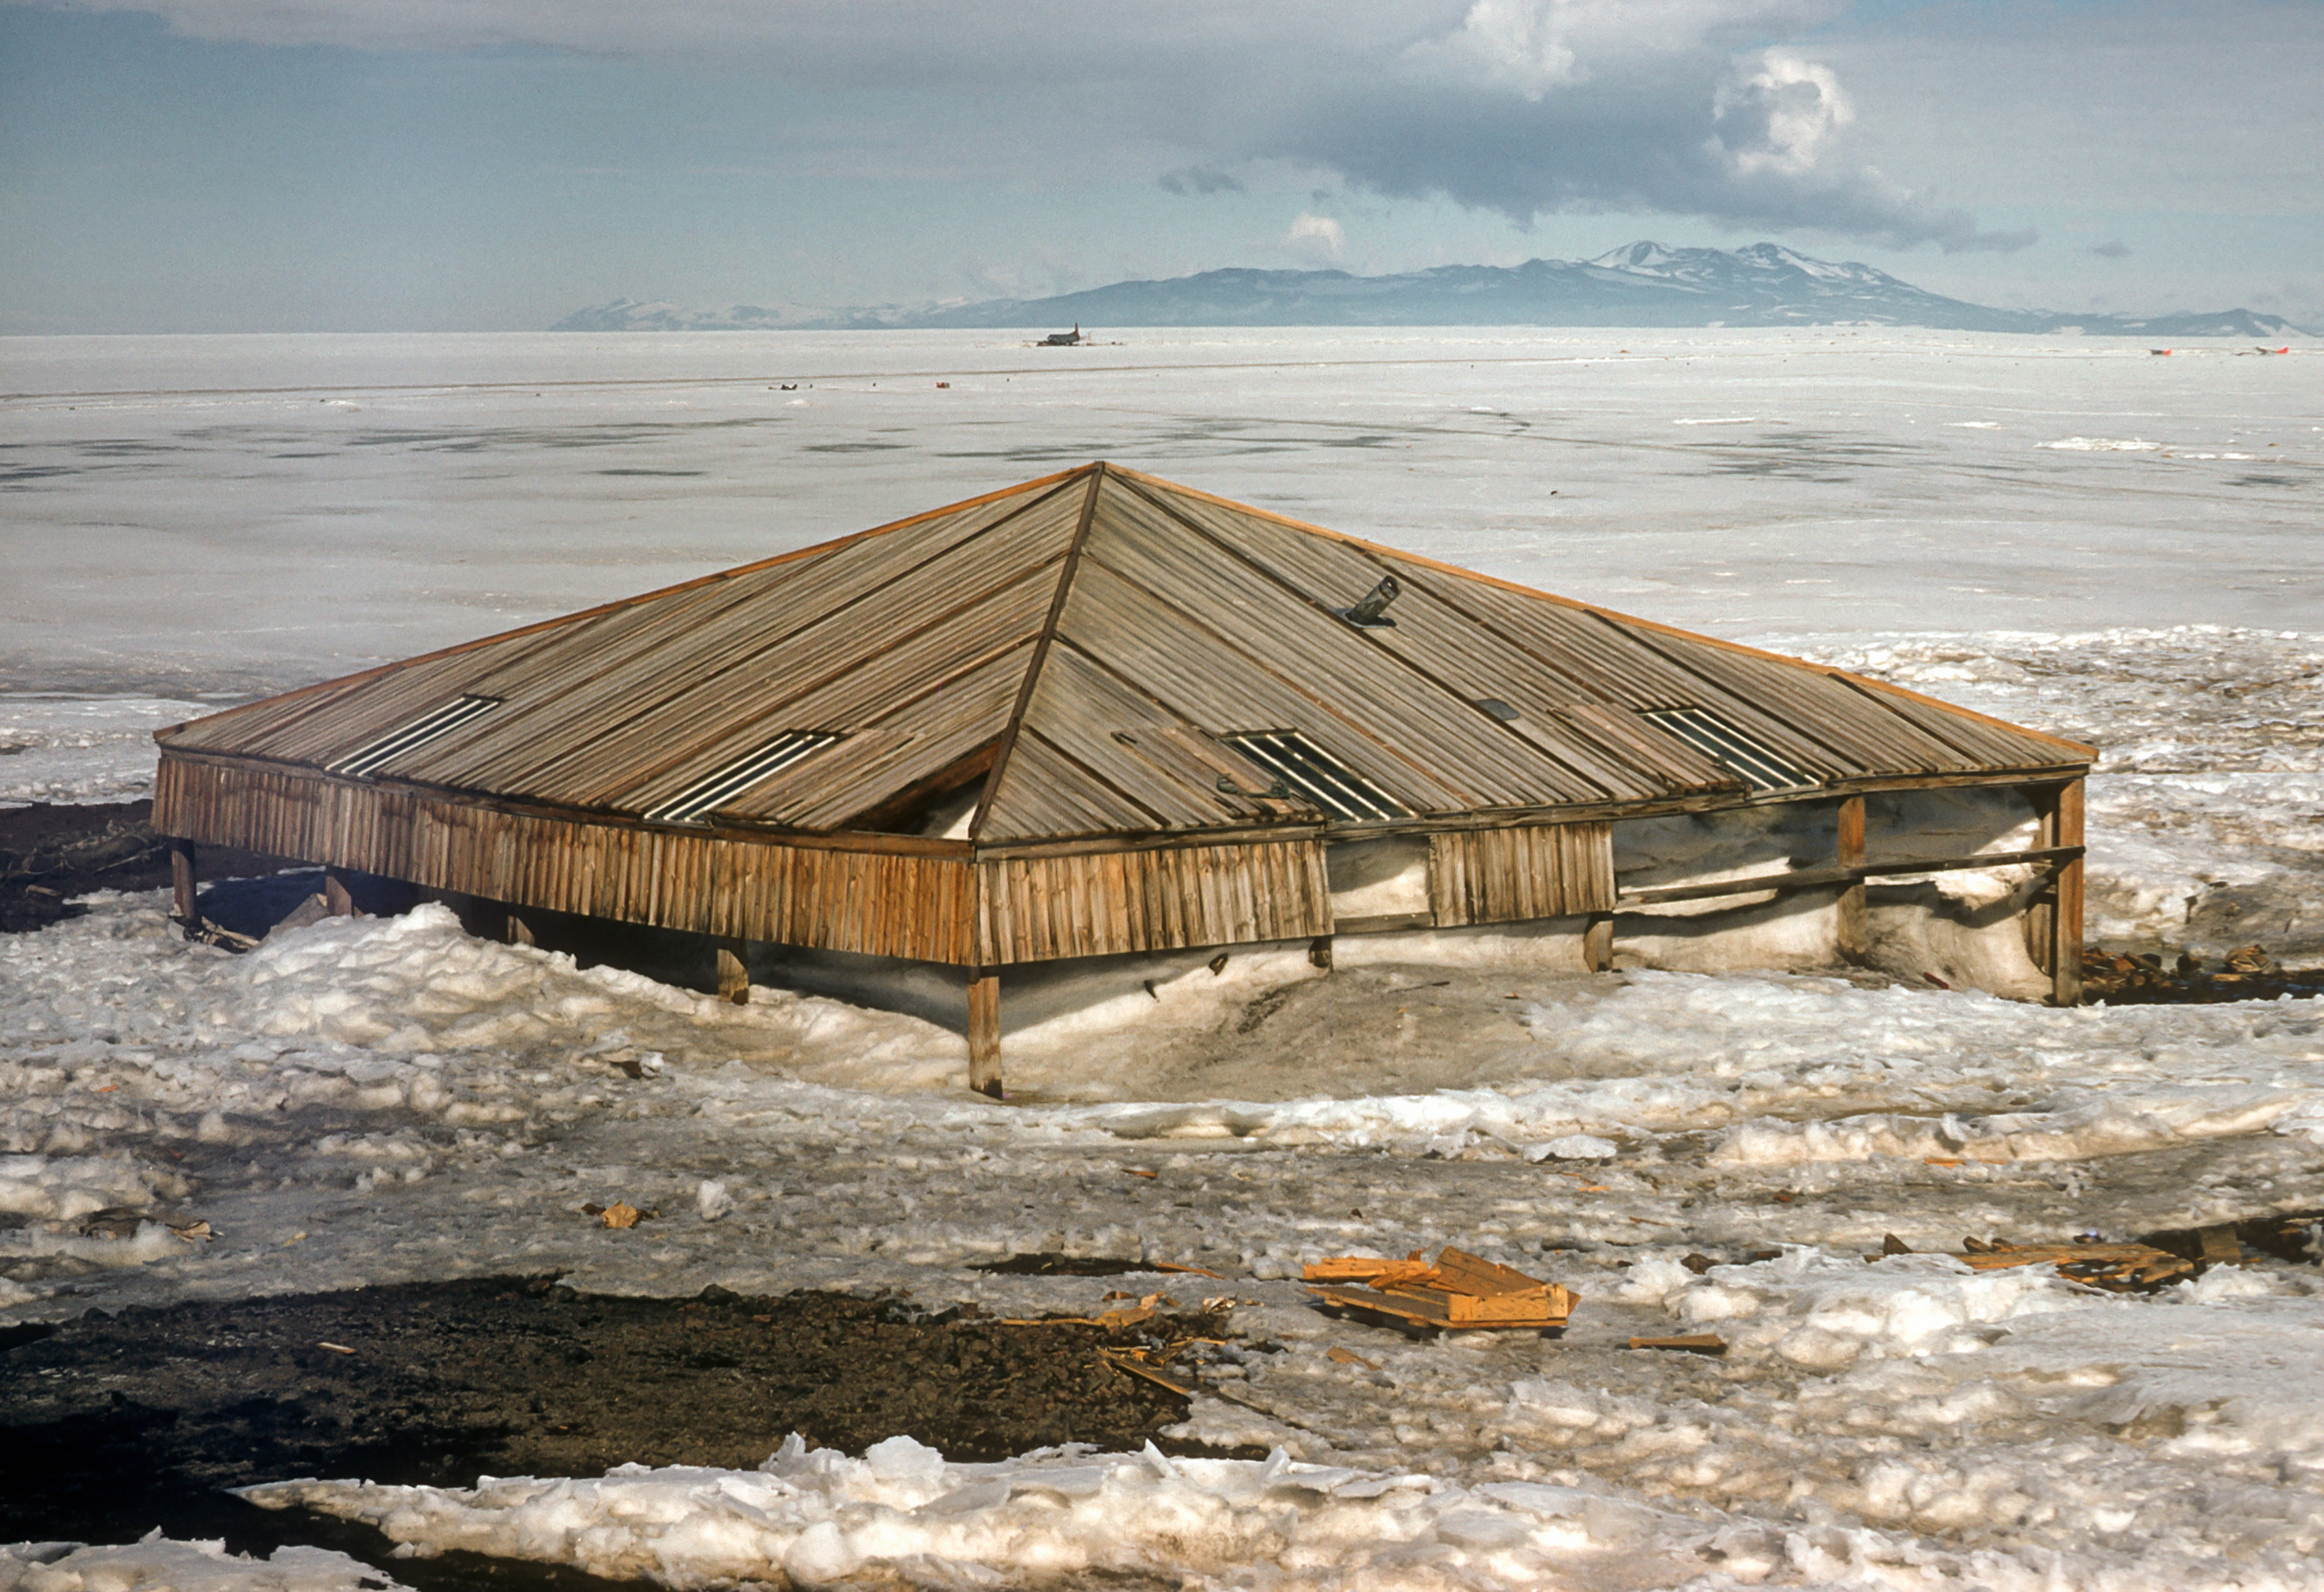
pixel 1527 107
pixel 1785 115
pixel 1317 237
pixel 1535 46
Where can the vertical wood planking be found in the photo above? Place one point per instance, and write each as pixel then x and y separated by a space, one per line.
pixel 1104 903
pixel 727 886
pixel 1519 873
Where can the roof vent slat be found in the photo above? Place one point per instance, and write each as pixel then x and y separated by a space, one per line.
pixel 1757 766
pixel 436 722
pixel 1313 775
pixel 708 795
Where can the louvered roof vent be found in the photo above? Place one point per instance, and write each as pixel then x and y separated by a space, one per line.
pixel 1306 772
pixel 1724 744
pixel 436 722
pixel 708 795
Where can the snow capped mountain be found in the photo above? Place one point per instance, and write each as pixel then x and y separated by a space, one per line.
pixel 1639 284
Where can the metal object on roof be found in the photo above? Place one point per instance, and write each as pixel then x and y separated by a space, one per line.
pixel 1085 656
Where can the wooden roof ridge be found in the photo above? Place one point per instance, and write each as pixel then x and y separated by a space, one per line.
pixel 559 622
pixel 1862 682
pixel 1068 566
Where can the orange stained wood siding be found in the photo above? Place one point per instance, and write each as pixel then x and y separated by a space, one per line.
pixel 878 903
pixel 1107 903
pixel 1517 874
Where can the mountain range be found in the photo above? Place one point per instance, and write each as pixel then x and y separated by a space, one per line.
pixel 1641 285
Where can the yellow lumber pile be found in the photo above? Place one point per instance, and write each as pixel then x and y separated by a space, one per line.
pixel 1457 1292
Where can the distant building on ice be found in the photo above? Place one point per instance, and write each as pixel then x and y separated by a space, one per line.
pixel 1102 715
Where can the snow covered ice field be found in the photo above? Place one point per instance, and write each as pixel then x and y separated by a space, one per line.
pixel 2069 533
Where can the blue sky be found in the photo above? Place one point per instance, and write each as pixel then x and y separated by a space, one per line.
pixel 239 165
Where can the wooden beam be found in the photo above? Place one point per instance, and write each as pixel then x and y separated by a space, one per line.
pixel 911 845
pixel 1809 879
pixel 335 899
pixel 1493 818
pixel 184 881
pixel 1851 941
pixel 984 1032
pixel 1598 942
pixel 517 931
pixel 733 972
pixel 1387 922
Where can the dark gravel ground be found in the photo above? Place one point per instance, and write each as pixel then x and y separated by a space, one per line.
pixel 53 851
pixel 111 1425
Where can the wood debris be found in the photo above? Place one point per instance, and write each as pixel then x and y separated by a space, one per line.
pixel 1690 1342
pixel 620 1214
pixel 1149 1365
pixel 1457 1292
pixel 2245 973
pixel 2119 1268
pixel 1349 1357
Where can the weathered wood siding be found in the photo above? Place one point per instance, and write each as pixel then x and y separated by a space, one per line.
pixel 1105 903
pixel 1511 875
pixel 878 903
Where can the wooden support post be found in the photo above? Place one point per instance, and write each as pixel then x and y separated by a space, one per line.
pixel 184 880
pixel 336 899
pixel 733 972
pixel 2061 826
pixel 518 932
pixel 1852 940
pixel 1598 942
pixel 984 1031
pixel 1319 952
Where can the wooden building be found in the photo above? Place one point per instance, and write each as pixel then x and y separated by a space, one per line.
pixel 1093 714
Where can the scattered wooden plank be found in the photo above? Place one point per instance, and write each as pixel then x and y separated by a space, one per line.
pixel 1709 1343
pixel 2119 1268
pixel 1131 1364
pixel 1457 1293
